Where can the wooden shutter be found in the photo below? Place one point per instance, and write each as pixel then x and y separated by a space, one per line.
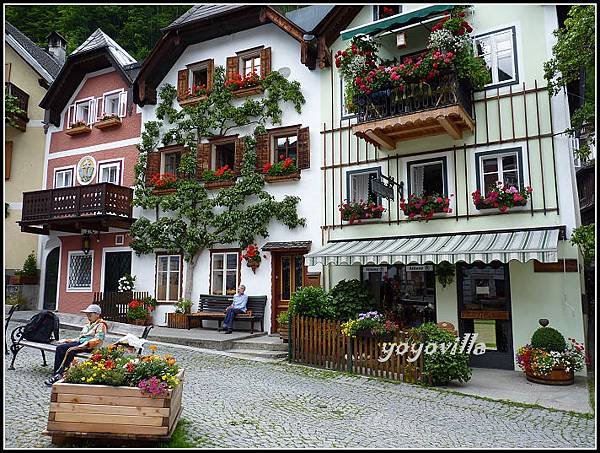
pixel 182 84
pixel 262 151
pixel 100 109
pixel 7 159
pixel 92 111
pixel 152 165
pixel 202 159
pixel 210 74
pixel 239 154
pixel 265 62
pixel 303 148
pixel 233 66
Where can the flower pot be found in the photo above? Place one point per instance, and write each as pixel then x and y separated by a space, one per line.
pixel 277 178
pixel 219 184
pixel 283 332
pixel 191 101
pixel 109 122
pixel 558 376
pixel 78 130
pixel 253 264
pixel 482 206
pixel 177 321
pixel 163 191
pixel 24 280
pixel 248 91
pixel 141 322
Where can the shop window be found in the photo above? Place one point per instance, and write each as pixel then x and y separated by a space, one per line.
pixel 383 11
pixel 168 278
pixel 110 172
pixel 224 154
pixel 427 177
pixel 79 276
pixel 359 186
pixel 498 51
pixel 504 167
pixel 285 146
pixel 224 273
pixel 63 177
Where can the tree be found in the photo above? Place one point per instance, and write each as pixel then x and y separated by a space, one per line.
pixel 574 59
pixel 190 220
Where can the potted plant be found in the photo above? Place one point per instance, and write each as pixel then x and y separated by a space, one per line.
pixel 139 312
pixel 221 177
pixel 425 206
pixel 283 319
pixel 107 121
pixel 244 85
pixel 502 197
pixel 252 256
pixel 126 283
pixel 370 324
pixel 355 211
pixel 163 183
pixel 283 170
pixel 28 275
pixel 195 94
pixel 549 359
pixel 179 319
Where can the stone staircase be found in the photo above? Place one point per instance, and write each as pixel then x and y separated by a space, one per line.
pixel 265 347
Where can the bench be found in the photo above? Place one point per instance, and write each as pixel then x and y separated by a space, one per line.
pixel 214 307
pixel 6 321
pixel 18 342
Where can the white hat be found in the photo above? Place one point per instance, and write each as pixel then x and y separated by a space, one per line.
pixel 93 308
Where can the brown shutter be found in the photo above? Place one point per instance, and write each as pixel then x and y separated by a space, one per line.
pixel 262 151
pixel 233 66
pixel 303 148
pixel 152 165
pixel 239 154
pixel 182 84
pixel 265 62
pixel 7 159
pixel 210 74
pixel 202 159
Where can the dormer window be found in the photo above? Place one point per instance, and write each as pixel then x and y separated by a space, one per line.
pixel 114 103
pixel 81 112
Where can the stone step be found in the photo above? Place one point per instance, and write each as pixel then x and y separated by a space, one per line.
pixel 258 353
pixel 262 343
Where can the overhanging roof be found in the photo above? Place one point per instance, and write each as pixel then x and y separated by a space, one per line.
pixel 292 245
pixel 390 23
pixel 524 245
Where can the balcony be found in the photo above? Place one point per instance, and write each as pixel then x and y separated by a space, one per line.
pixel 22 101
pixel 418 110
pixel 72 209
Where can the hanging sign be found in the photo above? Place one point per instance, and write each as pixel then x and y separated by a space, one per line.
pixel 372 269
pixel 86 170
pixel 381 189
pixel 419 268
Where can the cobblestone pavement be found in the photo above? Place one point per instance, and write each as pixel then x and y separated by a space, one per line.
pixel 239 403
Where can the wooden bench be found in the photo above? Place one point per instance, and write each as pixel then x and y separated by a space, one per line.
pixel 214 307
pixel 18 342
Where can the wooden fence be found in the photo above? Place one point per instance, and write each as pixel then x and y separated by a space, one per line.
pixel 114 305
pixel 321 343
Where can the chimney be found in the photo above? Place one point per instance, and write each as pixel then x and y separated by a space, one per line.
pixel 57 47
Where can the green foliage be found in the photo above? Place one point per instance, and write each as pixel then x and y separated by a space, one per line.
pixel 349 298
pixel 11 109
pixel 574 59
pixel 283 317
pixel 183 306
pixel 145 369
pixel 312 301
pixel 29 266
pixel 15 298
pixel 584 236
pixel 440 368
pixel 445 273
pixel 548 339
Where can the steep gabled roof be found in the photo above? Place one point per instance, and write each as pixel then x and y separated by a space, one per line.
pixel 48 68
pixel 309 17
pixel 201 12
pixel 99 40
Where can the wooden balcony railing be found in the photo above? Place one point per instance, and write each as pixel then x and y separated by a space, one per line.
pixel 586 188
pixel 103 199
pixel 22 101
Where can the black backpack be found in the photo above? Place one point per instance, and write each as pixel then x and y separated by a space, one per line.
pixel 42 327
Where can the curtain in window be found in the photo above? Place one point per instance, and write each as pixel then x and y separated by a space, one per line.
pixel 417 179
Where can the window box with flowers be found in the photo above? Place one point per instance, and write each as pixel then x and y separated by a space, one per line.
pixel 247 85
pixel 163 183
pixel 252 256
pixel 78 128
pixel 284 170
pixel 139 312
pixel 195 94
pixel 425 206
pixel 356 211
pixel 108 121
pixel 219 178
pixel 502 197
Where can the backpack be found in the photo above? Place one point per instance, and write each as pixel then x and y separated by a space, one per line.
pixel 42 327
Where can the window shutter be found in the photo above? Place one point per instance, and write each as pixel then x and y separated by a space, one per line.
pixel 7 159
pixel 239 154
pixel 265 62
pixel 303 148
pixel 152 165
pixel 202 159
pixel 100 109
pixel 210 74
pixel 122 104
pixel 233 66
pixel 262 151
pixel 70 116
pixel 182 84
pixel 93 108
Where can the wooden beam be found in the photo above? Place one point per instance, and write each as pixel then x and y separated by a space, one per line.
pixel 382 140
pixel 28 229
pixel 282 22
pixel 450 127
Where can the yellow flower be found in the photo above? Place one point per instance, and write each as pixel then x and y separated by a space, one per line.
pixel 83 378
pixel 153 348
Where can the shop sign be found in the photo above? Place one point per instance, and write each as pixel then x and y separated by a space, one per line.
pixel 373 269
pixel 86 170
pixel 381 189
pixel 419 268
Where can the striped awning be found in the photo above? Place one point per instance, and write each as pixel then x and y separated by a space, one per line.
pixel 533 244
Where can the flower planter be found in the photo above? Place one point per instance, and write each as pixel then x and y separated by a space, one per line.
pixel 78 130
pixel 242 92
pixel 104 411
pixel 141 322
pixel 191 101
pixel 109 122
pixel 253 264
pixel 279 178
pixel 283 332
pixel 219 184
pixel 23 280
pixel 558 376
pixel 482 206
pixel 178 321
pixel 163 191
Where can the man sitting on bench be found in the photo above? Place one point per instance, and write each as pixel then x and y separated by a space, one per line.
pixel 91 337
pixel 238 306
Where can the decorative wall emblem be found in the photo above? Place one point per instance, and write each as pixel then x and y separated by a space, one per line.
pixel 86 170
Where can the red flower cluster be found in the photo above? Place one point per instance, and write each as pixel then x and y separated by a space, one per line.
pixel 221 171
pixel 387 11
pixel 96 357
pixel 251 253
pixel 455 24
pixel 423 208
pixel 238 81
pixel 502 197
pixel 358 47
pixel 163 181
pixel 197 90
pixel 355 211
pixel 283 167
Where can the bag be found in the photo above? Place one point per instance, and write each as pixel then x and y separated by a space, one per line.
pixel 42 327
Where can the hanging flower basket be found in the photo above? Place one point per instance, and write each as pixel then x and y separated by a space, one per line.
pixel 252 256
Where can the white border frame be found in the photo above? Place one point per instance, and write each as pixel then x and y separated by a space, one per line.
pixel 120 161
pixel 79 290
pixel 103 100
pixel 238 270
pixel 109 250
pixel 94 175
pixel 73 168
pixel 179 287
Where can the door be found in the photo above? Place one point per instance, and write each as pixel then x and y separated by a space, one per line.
pixel 289 274
pixel 484 308
pixel 116 264
pixel 51 279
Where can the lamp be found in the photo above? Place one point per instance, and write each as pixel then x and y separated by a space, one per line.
pixel 86 242
pixel 400 40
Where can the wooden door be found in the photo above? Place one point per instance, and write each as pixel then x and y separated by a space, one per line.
pixel 288 274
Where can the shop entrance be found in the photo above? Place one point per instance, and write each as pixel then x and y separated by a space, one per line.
pixel 484 308
pixel 406 293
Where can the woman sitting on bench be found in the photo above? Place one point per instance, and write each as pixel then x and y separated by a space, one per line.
pixel 91 337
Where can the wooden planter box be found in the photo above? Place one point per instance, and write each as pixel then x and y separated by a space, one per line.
pixel 163 191
pixel 283 332
pixel 178 321
pixel 242 92
pixel 555 377
pixel 78 130
pixel 104 411
pixel 219 184
pixel 140 322
pixel 278 178
pixel 110 122
pixel 192 100
pixel 23 280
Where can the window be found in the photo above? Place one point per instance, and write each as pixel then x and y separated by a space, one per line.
pixel 286 146
pixel 427 177
pixel 383 11
pixel 168 277
pixel 359 186
pixel 171 162
pixel 494 167
pixel 498 51
pixel 251 64
pixel 82 111
pixel 110 172
pixel 224 273
pixel 199 73
pixel 344 109
pixel 63 177
pixel 114 103
pixel 80 271
pixel 224 155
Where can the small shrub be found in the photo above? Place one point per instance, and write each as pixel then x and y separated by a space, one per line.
pixel 349 298
pixel 548 339
pixel 311 301
pixel 183 306
pixel 283 317
pixel 29 266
